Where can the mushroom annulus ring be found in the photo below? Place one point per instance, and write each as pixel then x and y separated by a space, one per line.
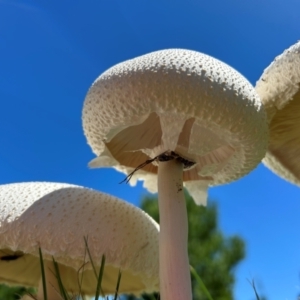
pixel 175 118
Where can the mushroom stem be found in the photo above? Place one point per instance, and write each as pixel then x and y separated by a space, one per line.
pixel 51 283
pixel 174 270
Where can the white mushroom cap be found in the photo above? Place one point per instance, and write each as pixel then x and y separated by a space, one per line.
pixel 57 217
pixel 176 100
pixel 279 90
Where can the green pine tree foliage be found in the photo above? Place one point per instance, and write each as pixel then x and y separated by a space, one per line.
pixel 213 255
pixel 13 292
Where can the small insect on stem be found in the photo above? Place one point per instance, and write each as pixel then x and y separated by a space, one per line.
pixel 147 162
pixel 165 156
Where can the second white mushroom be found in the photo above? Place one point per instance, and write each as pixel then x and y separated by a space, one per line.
pixel 57 217
pixel 279 90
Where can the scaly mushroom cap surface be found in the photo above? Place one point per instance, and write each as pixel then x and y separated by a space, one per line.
pixel 57 217
pixel 176 100
pixel 279 90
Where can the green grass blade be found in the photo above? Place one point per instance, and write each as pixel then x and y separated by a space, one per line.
pixel 63 292
pixel 99 278
pixel 81 270
pixel 118 285
pixel 201 284
pixel 43 274
pixel 90 257
pixel 254 288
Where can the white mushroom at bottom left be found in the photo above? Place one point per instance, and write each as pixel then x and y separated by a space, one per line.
pixel 57 218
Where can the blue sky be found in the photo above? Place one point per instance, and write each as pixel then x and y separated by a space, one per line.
pixel 51 52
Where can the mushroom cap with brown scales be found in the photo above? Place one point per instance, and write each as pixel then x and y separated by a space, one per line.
pixel 57 217
pixel 181 101
pixel 279 90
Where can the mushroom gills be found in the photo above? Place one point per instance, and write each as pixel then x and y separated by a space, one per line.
pixel 26 269
pixel 195 142
pixel 284 135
